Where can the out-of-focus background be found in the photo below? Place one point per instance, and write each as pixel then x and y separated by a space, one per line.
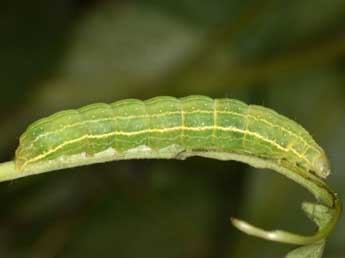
pixel 55 55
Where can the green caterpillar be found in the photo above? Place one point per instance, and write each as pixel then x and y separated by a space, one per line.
pixel 166 127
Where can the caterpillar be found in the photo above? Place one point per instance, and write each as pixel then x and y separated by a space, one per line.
pixel 167 127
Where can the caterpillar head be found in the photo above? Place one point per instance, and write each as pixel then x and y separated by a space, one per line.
pixel 321 166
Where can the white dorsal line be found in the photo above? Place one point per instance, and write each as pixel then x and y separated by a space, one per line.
pixel 227 129
pixel 215 112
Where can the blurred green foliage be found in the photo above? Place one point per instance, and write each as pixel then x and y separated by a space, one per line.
pixel 55 55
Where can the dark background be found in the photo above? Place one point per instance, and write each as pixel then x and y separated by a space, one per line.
pixel 55 55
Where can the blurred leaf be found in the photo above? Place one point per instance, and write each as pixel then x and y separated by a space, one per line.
pixel 309 251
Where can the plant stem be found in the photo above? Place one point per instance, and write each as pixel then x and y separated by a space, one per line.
pixel 8 171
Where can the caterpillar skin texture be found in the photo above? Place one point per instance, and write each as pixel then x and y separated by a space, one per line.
pixel 166 127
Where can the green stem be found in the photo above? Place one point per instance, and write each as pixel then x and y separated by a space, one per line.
pixel 9 172
pixel 322 192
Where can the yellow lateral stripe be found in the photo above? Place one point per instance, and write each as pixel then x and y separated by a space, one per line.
pixel 197 129
pixel 175 113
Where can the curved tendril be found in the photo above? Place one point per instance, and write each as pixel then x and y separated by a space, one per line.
pixel 288 237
